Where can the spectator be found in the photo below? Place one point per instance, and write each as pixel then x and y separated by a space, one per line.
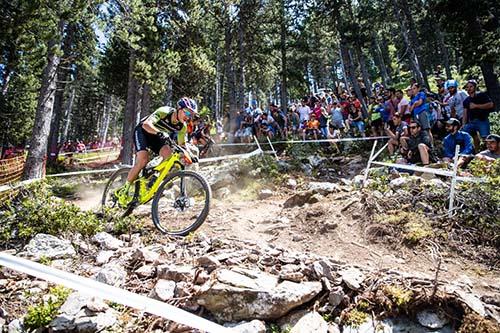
pixel 356 120
pixel 456 100
pixel 419 109
pixel 493 151
pixel 294 121
pixel 312 128
pixel 375 117
pixel 400 131
pixel 477 108
pixel 403 105
pixel 323 123
pixel 419 147
pixel 304 111
pixel 337 119
pixel 457 137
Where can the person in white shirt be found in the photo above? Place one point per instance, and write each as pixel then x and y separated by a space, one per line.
pixel 456 100
pixel 304 111
pixel 404 104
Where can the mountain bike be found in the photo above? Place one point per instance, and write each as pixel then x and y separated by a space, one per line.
pixel 180 198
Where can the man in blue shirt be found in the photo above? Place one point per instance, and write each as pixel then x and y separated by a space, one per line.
pixel 418 109
pixel 456 137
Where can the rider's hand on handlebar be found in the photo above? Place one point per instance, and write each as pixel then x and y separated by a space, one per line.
pixel 165 138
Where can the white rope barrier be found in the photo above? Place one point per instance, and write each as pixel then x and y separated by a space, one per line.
pixel 94 288
pixel 226 157
pixel 77 173
pixel 303 141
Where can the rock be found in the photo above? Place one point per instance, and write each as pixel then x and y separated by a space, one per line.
pixel 315 160
pixel 323 268
pixel 307 169
pixel 292 276
pixel 298 199
pixel 145 255
pixel 208 262
pixel 352 277
pixel 97 305
pixel 471 301
pixel 222 193
pixel 291 183
pixel 220 178
pixel 241 294
pixel 265 193
pixel 405 182
pixel 163 290
pixel 438 183
pixel 62 323
pixel 175 273
pixel 112 274
pixel 146 271
pixel 324 187
pixel 96 323
pixel 49 247
pixel 254 326
pixel 432 319
pixel 405 325
pixel 106 241
pixel 15 326
pixel 315 198
pixel 336 296
pixel 283 165
pixel 74 303
pixel 103 257
pixel 312 322
pixel 358 180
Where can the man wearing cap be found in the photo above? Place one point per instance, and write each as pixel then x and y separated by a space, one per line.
pixel 454 138
pixel 493 151
pixel 456 99
pixel 477 108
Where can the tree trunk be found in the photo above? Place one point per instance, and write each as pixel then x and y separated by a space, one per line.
pixel 283 86
pixel 364 70
pixel 379 61
pixel 35 166
pixel 351 74
pixel 230 77
pixel 106 120
pixel 444 53
pixel 410 37
pixel 146 100
pixel 219 77
pixel 169 93
pixel 129 119
pixel 241 66
pixel 343 68
pixel 67 115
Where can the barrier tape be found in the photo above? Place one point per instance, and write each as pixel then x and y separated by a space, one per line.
pixel 226 157
pixel 305 141
pixel 439 172
pixel 88 151
pixel 94 288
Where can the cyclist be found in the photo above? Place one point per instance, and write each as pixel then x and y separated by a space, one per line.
pixel 155 131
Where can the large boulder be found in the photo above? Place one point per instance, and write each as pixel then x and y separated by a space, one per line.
pixel 241 294
pixel 324 187
pixel 49 247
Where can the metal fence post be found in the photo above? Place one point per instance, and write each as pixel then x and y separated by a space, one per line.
pixel 453 180
pixel 369 163
pixel 272 148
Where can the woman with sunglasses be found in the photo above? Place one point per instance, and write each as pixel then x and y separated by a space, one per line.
pixel 156 130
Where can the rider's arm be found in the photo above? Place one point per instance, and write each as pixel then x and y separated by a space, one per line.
pixel 149 127
pixel 149 123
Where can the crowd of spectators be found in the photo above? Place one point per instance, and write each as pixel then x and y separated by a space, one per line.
pixel 416 120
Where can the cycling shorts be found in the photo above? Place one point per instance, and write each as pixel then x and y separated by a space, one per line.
pixel 144 140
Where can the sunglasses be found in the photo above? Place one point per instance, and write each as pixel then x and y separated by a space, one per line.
pixel 187 113
pixel 413 127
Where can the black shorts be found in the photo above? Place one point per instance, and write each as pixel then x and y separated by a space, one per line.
pixel 377 123
pixel 144 140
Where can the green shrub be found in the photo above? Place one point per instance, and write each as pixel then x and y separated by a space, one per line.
pixel 35 210
pixel 42 314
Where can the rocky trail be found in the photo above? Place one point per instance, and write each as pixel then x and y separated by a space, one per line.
pixel 286 256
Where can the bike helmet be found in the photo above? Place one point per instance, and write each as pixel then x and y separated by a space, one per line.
pixel 451 83
pixel 188 103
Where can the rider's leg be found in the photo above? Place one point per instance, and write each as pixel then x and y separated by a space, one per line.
pixel 165 151
pixel 141 159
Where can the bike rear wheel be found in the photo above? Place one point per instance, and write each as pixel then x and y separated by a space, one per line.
pixel 181 204
pixel 109 202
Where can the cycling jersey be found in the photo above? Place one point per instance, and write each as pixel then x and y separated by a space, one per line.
pixel 162 120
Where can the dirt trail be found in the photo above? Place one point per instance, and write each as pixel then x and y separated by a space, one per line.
pixel 324 229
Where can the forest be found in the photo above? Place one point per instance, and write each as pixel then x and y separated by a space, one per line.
pixel 85 70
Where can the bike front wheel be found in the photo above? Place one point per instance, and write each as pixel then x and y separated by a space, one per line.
pixel 110 201
pixel 181 204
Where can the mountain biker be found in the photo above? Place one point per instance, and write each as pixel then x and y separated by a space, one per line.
pixel 156 130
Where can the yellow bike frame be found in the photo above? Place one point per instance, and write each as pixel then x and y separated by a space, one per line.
pixel 163 169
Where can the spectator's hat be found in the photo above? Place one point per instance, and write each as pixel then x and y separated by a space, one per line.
pixel 493 137
pixel 451 83
pixel 473 82
pixel 453 122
